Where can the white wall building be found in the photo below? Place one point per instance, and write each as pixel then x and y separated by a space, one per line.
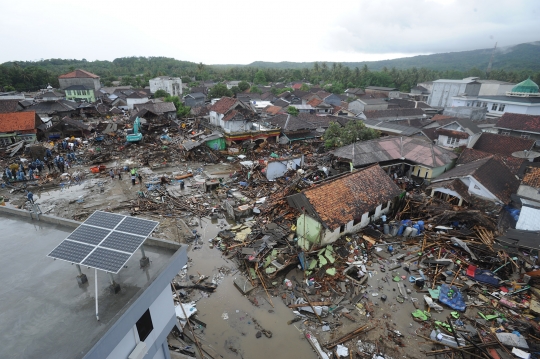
pixel 171 85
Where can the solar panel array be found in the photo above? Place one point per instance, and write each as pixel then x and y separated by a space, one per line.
pixel 104 241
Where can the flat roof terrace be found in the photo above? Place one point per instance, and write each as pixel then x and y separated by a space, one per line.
pixel 44 312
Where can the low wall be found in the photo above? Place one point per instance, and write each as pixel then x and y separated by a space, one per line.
pixel 70 223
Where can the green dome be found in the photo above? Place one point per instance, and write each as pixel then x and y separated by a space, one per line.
pixel 527 86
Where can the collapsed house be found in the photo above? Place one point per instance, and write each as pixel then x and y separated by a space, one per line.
pixel 343 205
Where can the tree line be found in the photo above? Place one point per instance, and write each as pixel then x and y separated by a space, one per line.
pixel 136 71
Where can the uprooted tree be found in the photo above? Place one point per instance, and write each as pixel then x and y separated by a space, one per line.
pixel 355 130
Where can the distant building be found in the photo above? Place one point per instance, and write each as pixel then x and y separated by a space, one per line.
pixel 195 99
pixel 79 77
pixel 171 85
pixel 523 98
pixel 443 91
pixel 390 92
pixel 80 93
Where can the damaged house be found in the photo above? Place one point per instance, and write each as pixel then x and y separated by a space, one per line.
pixel 238 121
pixel 486 179
pixel 343 205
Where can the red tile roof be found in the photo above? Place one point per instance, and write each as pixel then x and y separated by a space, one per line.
pixel 315 102
pixel 452 133
pixel 503 145
pixel 519 122
pixel 441 117
pixel 347 198
pixel 471 155
pixel 297 86
pixel 18 121
pixel 78 74
pixel 532 177
pixel 274 110
pixel 223 105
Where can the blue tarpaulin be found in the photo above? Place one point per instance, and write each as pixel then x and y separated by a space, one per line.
pixel 451 296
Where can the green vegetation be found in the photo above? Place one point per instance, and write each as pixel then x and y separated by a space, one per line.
pixel 510 64
pixel 219 90
pixel 160 93
pixel 181 110
pixel 355 130
pixel 243 85
pixel 292 111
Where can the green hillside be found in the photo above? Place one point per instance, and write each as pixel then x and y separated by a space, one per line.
pixel 518 57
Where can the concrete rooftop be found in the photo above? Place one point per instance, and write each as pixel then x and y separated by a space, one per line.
pixel 44 313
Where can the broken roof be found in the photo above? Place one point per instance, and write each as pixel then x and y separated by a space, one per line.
pixel 504 145
pixel 492 174
pixel 379 88
pixel 158 108
pixel 519 122
pixel 413 149
pixel 78 74
pixel 347 198
pixel 471 155
pixel 532 177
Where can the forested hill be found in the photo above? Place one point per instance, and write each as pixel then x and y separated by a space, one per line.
pixel 518 57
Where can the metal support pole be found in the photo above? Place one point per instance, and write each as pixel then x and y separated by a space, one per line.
pixel 144 261
pixel 95 280
pixel 79 269
pixel 111 278
pixel 143 253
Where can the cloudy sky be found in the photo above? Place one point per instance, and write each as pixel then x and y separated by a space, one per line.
pixel 242 31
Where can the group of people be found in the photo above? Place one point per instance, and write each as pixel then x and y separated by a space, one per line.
pixel 133 173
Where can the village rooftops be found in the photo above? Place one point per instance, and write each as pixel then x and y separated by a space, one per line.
pixel 78 74
pixel 471 155
pixel 18 121
pixel 519 122
pixel 348 197
pixel 503 145
pixel 45 313
pixel 412 149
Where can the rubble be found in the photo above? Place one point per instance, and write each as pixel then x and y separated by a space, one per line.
pixel 429 273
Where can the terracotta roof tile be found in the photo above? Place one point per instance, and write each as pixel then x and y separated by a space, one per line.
pixel 78 74
pixel 441 117
pixel 315 102
pixel 519 122
pixel 223 105
pixel 18 121
pixel 273 110
pixel 504 145
pixel 532 177
pixel 347 198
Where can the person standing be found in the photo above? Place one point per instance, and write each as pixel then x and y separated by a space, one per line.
pixel 140 178
pixel 120 174
pixel 111 173
pixel 133 177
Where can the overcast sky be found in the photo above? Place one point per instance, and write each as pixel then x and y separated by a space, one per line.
pixel 242 31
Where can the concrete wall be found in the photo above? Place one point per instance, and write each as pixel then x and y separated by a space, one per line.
pixel 172 85
pixel 442 93
pixel 460 109
pixel 443 142
pixel 528 192
pixel 309 228
pixel 89 82
pixel 134 101
pixel 494 89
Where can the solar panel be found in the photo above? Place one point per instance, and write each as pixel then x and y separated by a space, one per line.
pixel 104 219
pixel 71 251
pixel 88 234
pixel 104 241
pixel 123 242
pixel 106 259
pixel 141 227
